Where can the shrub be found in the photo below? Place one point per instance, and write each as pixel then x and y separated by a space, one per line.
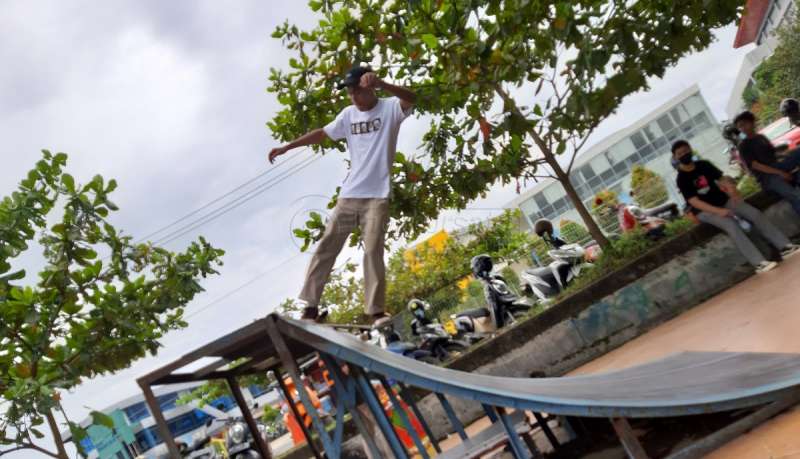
pixel 572 232
pixel 748 185
pixel 604 207
pixel 647 187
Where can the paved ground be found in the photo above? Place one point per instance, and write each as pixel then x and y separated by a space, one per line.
pixel 761 314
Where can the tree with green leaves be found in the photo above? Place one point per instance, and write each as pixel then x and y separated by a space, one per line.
pixel 647 187
pixel 514 89
pixel 82 315
pixel 776 78
pixel 440 270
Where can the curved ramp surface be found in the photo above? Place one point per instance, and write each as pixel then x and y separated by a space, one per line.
pixel 681 384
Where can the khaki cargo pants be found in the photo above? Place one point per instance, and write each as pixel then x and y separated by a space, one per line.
pixel 372 216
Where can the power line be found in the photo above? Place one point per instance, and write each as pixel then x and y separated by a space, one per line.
pixel 250 282
pixel 245 285
pixel 220 198
pixel 213 215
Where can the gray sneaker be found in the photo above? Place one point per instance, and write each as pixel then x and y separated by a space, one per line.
pixel 765 266
pixel 790 250
pixel 310 314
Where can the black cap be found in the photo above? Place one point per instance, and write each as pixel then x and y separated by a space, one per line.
pixel 353 77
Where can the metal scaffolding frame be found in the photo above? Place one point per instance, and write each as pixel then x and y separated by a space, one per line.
pixel 682 384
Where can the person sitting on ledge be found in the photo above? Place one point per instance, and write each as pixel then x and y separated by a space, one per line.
pixel 699 182
pixel 776 174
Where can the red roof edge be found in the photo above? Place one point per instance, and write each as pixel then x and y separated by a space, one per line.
pixel 752 18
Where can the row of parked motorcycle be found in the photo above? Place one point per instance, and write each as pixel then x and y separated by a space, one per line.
pixel 433 342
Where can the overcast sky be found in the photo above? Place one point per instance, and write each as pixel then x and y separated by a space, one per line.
pixel 169 98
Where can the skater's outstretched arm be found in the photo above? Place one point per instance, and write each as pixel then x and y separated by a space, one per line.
pixel 314 137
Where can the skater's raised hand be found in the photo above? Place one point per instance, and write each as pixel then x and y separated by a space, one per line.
pixel 275 152
pixel 369 80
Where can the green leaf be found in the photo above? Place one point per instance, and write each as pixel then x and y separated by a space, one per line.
pixel 430 40
pixel 72 308
pixel 102 419
pixel 16 275
pixel 68 182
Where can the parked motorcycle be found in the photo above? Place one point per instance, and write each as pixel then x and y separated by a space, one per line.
pixel 394 344
pixel 238 442
pixel 503 306
pixel 432 335
pixel 568 261
pixel 653 220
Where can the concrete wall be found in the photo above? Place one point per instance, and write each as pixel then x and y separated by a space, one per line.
pixel 581 334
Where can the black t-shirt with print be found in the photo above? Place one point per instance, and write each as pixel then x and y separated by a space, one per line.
pixel 757 148
pixel 701 182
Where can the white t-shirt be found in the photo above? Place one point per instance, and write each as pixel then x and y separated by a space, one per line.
pixel 372 142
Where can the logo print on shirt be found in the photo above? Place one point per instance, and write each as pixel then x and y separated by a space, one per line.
pixel 702 185
pixel 365 127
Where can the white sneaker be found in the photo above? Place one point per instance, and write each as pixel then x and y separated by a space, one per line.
pixel 790 250
pixel 380 321
pixel 765 266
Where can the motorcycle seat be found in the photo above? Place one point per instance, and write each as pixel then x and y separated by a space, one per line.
pixel 474 313
pixel 539 272
pixel 670 207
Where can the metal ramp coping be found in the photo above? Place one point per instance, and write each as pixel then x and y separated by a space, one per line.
pixel 681 384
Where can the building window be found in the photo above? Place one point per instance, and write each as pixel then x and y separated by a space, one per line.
pixel 168 401
pixel 595 184
pixel 587 172
pixel 583 191
pixel 676 116
pixel 665 123
pixel 701 121
pixel 638 140
pixel 540 200
pixel 648 133
pixel 137 412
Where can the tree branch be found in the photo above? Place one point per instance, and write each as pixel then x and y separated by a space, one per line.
pixel 24 446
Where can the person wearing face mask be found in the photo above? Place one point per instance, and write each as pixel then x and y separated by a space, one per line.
pixel 778 175
pixel 699 183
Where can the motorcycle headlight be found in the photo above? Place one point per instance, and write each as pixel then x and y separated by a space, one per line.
pixel 236 433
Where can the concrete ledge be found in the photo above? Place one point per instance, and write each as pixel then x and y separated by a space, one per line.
pixel 672 277
pixel 659 256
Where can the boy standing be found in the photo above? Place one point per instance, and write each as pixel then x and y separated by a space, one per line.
pixel 370 126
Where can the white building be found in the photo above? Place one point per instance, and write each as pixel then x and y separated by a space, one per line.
pixel 607 165
pixel 182 420
pixel 759 24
